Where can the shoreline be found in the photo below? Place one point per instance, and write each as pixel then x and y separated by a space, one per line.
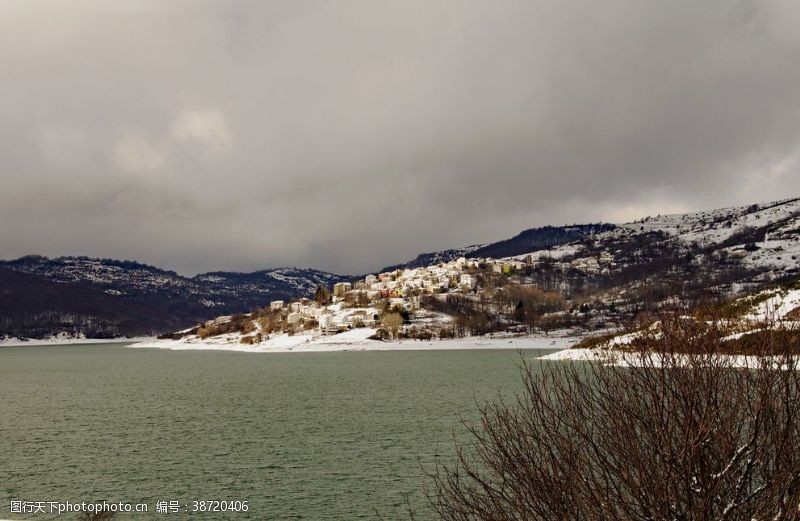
pixel 358 341
pixel 621 358
pixel 62 341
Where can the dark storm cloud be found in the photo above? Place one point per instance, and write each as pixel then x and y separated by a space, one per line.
pixel 348 135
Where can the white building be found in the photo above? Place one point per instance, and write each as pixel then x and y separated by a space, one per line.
pixel 467 280
pixel 327 324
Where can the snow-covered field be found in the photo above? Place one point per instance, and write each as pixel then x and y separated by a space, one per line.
pixel 777 307
pixel 358 340
pixel 630 359
pixel 775 311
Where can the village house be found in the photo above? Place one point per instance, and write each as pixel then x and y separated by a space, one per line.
pixel 340 288
pixel 299 304
pixel 588 265
pixel 564 267
pixel 327 326
pixel 468 281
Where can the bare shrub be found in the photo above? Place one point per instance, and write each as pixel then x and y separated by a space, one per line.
pixel 679 433
pixel 527 304
pixel 447 333
pixel 238 323
pixel 381 334
pixel 393 321
pixel 472 317
pixel 419 333
pixel 322 295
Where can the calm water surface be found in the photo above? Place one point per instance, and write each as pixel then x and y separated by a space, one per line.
pixel 298 436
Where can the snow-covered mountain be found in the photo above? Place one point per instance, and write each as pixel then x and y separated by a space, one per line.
pixel 263 286
pixel 580 277
pixel 133 279
pixel 115 277
pixel 766 237
pixel 688 256
pixel 533 239
pixel 41 296
pixel 762 238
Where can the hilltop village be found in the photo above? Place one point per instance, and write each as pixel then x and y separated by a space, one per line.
pixel 414 294
pixel 453 299
pixel 616 277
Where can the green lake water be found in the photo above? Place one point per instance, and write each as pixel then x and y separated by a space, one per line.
pixel 297 436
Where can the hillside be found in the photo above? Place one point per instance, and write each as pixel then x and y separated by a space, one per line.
pixel 599 274
pixel 31 306
pixel 533 239
pixel 742 330
pixel 109 298
pixel 608 277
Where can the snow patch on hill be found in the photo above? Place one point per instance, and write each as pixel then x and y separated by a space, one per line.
pixel 776 308
pixel 765 237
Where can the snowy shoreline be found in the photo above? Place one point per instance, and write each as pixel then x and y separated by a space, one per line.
pixel 620 358
pixel 357 340
pixel 66 340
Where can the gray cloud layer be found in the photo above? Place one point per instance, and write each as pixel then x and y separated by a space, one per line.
pixel 348 135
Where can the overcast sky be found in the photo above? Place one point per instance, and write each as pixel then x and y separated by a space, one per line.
pixel 346 135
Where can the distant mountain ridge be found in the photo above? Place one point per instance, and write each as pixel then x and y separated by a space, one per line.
pixel 541 238
pixel 132 299
pixel 34 307
pixel 583 278
pixel 105 298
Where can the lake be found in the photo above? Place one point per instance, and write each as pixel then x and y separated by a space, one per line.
pixel 297 436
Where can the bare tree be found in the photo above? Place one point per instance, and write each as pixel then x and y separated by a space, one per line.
pixel 322 296
pixel 680 433
pixel 394 321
